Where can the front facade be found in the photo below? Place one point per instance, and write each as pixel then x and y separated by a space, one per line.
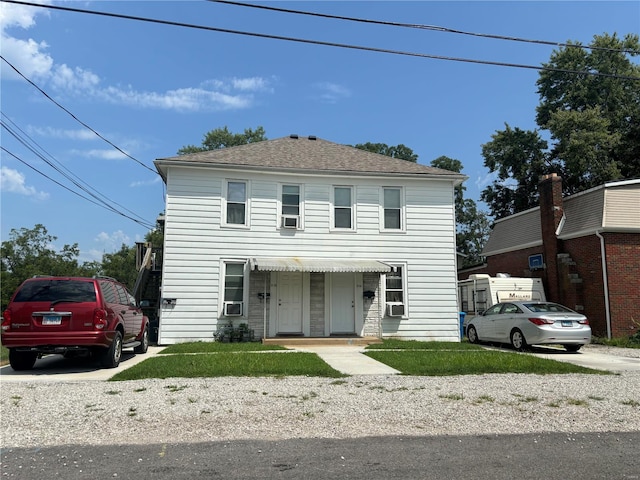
pixel 304 237
pixel 585 248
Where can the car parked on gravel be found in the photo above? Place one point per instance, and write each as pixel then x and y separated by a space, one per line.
pixel 72 316
pixel 530 323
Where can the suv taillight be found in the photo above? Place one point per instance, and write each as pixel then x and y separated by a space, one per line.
pixel 6 320
pixel 99 318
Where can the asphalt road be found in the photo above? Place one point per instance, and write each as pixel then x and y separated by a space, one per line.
pixel 533 456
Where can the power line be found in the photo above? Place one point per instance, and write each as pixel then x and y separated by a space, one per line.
pixel 328 44
pixel 75 117
pixel 144 224
pixel 423 27
pixel 45 156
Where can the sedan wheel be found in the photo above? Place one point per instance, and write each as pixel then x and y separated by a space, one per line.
pixel 517 340
pixel 572 347
pixel 472 335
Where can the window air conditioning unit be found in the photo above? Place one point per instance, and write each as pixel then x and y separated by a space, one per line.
pixel 290 221
pixel 233 309
pixel 395 310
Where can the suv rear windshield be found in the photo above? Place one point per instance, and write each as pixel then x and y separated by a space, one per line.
pixel 56 290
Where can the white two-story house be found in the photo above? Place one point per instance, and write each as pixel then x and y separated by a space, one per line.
pixel 304 237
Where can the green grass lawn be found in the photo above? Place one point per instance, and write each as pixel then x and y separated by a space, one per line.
pixel 4 355
pixel 215 359
pixel 238 364
pixel 471 362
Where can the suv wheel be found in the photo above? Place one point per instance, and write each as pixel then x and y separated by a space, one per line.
pixel 22 360
pixel 111 356
pixel 144 342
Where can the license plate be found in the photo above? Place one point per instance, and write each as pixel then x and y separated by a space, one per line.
pixel 52 320
pixel 567 323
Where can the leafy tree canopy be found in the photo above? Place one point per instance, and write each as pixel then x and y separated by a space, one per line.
pixel 30 252
pixel 223 138
pixel 593 123
pixel 472 225
pixel 399 151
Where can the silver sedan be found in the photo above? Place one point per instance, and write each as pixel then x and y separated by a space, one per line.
pixel 530 323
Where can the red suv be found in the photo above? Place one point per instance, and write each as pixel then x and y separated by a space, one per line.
pixel 72 316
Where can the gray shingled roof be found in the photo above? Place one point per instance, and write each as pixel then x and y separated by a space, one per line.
pixel 613 206
pixel 307 155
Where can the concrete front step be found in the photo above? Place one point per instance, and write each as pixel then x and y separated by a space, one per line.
pixel 320 341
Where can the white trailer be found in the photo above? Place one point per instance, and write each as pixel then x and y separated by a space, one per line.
pixel 480 291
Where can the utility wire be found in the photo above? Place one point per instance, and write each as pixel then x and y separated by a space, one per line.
pixel 31 145
pixel 144 224
pixel 75 117
pixel 423 27
pixel 323 43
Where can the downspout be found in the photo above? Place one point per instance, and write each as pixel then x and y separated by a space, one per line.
pixel 605 281
pixel 264 307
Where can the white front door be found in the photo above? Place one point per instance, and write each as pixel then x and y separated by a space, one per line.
pixel 289 302
pixel 342 303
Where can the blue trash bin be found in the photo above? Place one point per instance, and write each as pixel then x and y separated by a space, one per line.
pixel 462 315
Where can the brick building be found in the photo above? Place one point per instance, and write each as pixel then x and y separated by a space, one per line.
pixel 585 248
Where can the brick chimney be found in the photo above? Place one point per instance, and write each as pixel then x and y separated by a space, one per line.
pixel 551 210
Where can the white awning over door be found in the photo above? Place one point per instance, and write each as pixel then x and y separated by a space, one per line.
pixel 318 265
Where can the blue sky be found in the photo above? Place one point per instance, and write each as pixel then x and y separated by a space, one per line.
pixel 151 89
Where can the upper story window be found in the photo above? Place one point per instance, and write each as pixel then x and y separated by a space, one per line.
pixel 343 208
pixel 392 206
pixel 291 206
pixel 236 202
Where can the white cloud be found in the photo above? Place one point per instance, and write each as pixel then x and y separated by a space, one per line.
pixel 103 154
pixel 50 132
pixel 252 84
pixel 483 181
pixel 331 92
pixel 182 100
pixel 13 181
pixel 144 183
pixel 30 57
pixel 112 242
pixel 73 79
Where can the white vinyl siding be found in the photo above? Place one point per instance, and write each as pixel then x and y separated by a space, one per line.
pixel 197 242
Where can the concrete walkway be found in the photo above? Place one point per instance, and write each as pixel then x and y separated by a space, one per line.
pixel 348 359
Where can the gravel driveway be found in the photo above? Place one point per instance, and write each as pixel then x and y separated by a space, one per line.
pixel 36 414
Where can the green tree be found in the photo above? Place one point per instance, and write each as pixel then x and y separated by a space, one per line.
pixel 30 252
pixel 518 159
pixel 399 151
pixel 121 265
pixel 472 225
pixel 223 138
pixel 593 122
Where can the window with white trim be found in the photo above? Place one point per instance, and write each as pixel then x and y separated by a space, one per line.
pixel 290 206
pixel 395 292
pixel 343 208
pixel 392 207
pixel 236 202
pixel 234 288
